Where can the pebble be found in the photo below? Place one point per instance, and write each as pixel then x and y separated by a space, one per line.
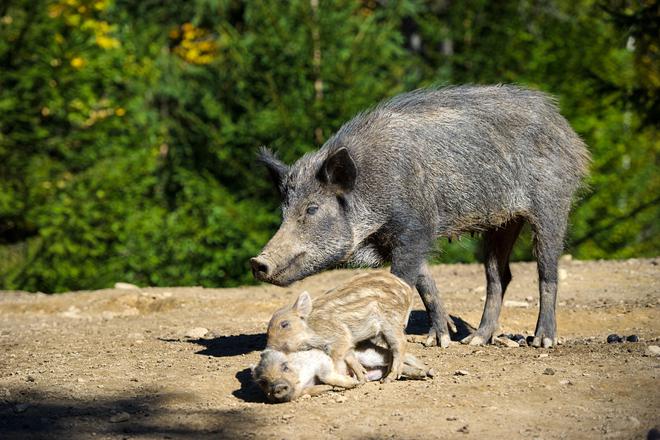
pixel 632 338
pixel 120 417
pixel 30 378
pixel 543 355
pixel 516 304
pixel 506 342
pixel 565 382
pixel 461 373
pixel 613 339
pixel 549 372
pixel 196 333
pixel 340 399
pixel 126 286
pixel 21 407
pixel 465 429
pixel 653 350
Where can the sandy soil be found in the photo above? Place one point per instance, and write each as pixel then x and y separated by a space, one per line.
pixel 118 364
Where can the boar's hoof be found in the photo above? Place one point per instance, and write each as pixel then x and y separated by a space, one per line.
pixel 544 342
pixel 436 337
pixel 476 339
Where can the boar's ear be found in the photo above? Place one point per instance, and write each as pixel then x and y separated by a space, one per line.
pixel 276 168
pixel 303 305
pixel 339 169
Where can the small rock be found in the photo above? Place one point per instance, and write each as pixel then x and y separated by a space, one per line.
pixel 562 274
pixel 30 378
pixel 565 382
pixel 72 312
pixel 543 355
pixel 431 373
pixel 340 399
pixel 653 350
pixel 120 417
pixel 529 299
pixel 287 416
pixel 506 342
pixel 516 304
pixel 21 407
pixel 613 339
pixel 465 429
pixel 452 418
pixel 196 333
pixel 81 380
pixel 549 372
pixel 632 338
pixel 461 373
pixel 126 286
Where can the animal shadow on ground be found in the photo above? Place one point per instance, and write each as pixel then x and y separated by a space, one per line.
pixel 231 345
pixel 419 324
pixel 249 391
pixel 35 414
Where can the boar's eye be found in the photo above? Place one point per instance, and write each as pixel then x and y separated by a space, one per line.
pixel 284 324
pixel 311 210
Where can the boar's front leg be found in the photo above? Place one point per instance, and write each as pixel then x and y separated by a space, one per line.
pixel 408 264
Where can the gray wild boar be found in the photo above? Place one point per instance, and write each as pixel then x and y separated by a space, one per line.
pixel 372 306
pixel 285 377
pixel 427 164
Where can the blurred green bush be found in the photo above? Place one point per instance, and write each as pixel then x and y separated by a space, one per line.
pixel 128 129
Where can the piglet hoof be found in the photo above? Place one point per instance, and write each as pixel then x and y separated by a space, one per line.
pixel 390 378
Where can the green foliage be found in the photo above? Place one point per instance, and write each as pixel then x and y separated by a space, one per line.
pixel 128 129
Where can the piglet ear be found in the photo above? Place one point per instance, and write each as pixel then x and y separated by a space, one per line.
pixel 303 305
pixel 339 169
pixel 276 168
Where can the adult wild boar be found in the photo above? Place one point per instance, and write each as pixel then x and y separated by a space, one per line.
pixel 425 164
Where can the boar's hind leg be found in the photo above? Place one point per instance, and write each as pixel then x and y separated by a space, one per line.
pixel 548 244
pixel 497 246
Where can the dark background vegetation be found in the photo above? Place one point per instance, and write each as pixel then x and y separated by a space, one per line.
pixel 128 129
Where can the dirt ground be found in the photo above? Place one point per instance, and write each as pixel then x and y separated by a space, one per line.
pixel 118 364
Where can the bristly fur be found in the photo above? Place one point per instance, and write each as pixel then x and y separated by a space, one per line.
pixel 437 163
pixel 369 307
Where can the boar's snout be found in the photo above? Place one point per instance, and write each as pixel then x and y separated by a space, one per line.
pixel 261 268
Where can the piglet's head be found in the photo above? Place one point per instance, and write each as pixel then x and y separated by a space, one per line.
pixel 287 329
pixel 277 380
